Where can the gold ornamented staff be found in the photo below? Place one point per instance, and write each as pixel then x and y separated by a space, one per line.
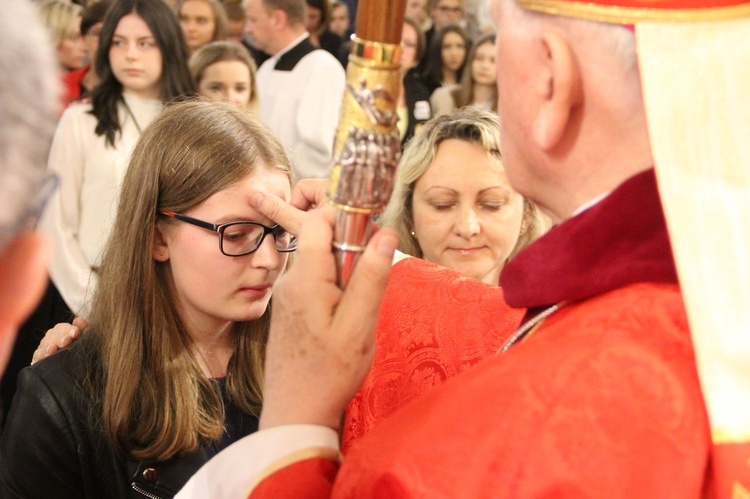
pixel 368 145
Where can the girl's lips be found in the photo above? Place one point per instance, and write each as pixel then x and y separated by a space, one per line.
pixel 256 291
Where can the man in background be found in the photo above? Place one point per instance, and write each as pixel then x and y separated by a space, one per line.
pixel 442 13
pixel 300 87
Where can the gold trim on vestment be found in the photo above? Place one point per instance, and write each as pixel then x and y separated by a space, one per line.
pixel 694 80
pixel 722 436
pixel 632 15
pixel 740 492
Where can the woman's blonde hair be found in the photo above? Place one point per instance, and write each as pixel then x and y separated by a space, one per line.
pixel 155 400
pixel 58 17
pixel 214 52
pixel 469 124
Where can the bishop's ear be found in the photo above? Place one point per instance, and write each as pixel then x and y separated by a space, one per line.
pixel 558 87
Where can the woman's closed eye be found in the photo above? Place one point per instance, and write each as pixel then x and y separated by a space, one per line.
pixel 491 205
pixel 442 206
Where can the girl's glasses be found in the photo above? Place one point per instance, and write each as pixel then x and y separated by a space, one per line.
pixel 242 238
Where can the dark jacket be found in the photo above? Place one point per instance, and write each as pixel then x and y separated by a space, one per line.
pixel 331 43
pixel 417 102
pixel 53 443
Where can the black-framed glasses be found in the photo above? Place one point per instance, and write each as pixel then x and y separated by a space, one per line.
pixel 34 210
pixel 242 238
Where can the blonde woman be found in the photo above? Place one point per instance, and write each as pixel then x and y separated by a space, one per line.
pixel 452 203
pixel 63 22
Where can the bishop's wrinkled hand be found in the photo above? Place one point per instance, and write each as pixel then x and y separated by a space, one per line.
pixel 321 340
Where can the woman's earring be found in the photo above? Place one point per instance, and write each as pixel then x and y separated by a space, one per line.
pixel 413 234
pixel 161 253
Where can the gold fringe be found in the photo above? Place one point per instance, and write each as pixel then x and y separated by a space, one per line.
pixel 719 436
pixel 632 15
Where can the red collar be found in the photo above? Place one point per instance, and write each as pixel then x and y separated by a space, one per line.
pixel 621 240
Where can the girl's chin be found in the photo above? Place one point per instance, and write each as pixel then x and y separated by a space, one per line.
pixel 246 317
pixel 250 311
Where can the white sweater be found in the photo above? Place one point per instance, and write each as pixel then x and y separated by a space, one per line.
pixel 80 215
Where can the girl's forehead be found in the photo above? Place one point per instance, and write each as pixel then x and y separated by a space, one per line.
pixel 132 24
pixel 233 200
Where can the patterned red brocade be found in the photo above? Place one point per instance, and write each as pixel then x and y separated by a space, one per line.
pixel 434 323
pixel 593 404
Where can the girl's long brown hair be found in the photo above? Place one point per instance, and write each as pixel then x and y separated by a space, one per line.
pixel 155 401
pixel 463 95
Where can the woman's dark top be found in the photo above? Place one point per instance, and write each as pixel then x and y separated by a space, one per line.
pixel 331 43
pixel 417 102
pixel 53 444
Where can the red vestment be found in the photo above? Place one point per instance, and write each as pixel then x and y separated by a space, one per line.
pixel 602 400
pixel 434 323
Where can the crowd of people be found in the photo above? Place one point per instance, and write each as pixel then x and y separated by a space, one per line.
pixel 476 350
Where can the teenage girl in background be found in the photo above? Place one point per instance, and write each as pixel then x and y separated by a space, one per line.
pixel 224 71
pixel 142 63
pixel 446 57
